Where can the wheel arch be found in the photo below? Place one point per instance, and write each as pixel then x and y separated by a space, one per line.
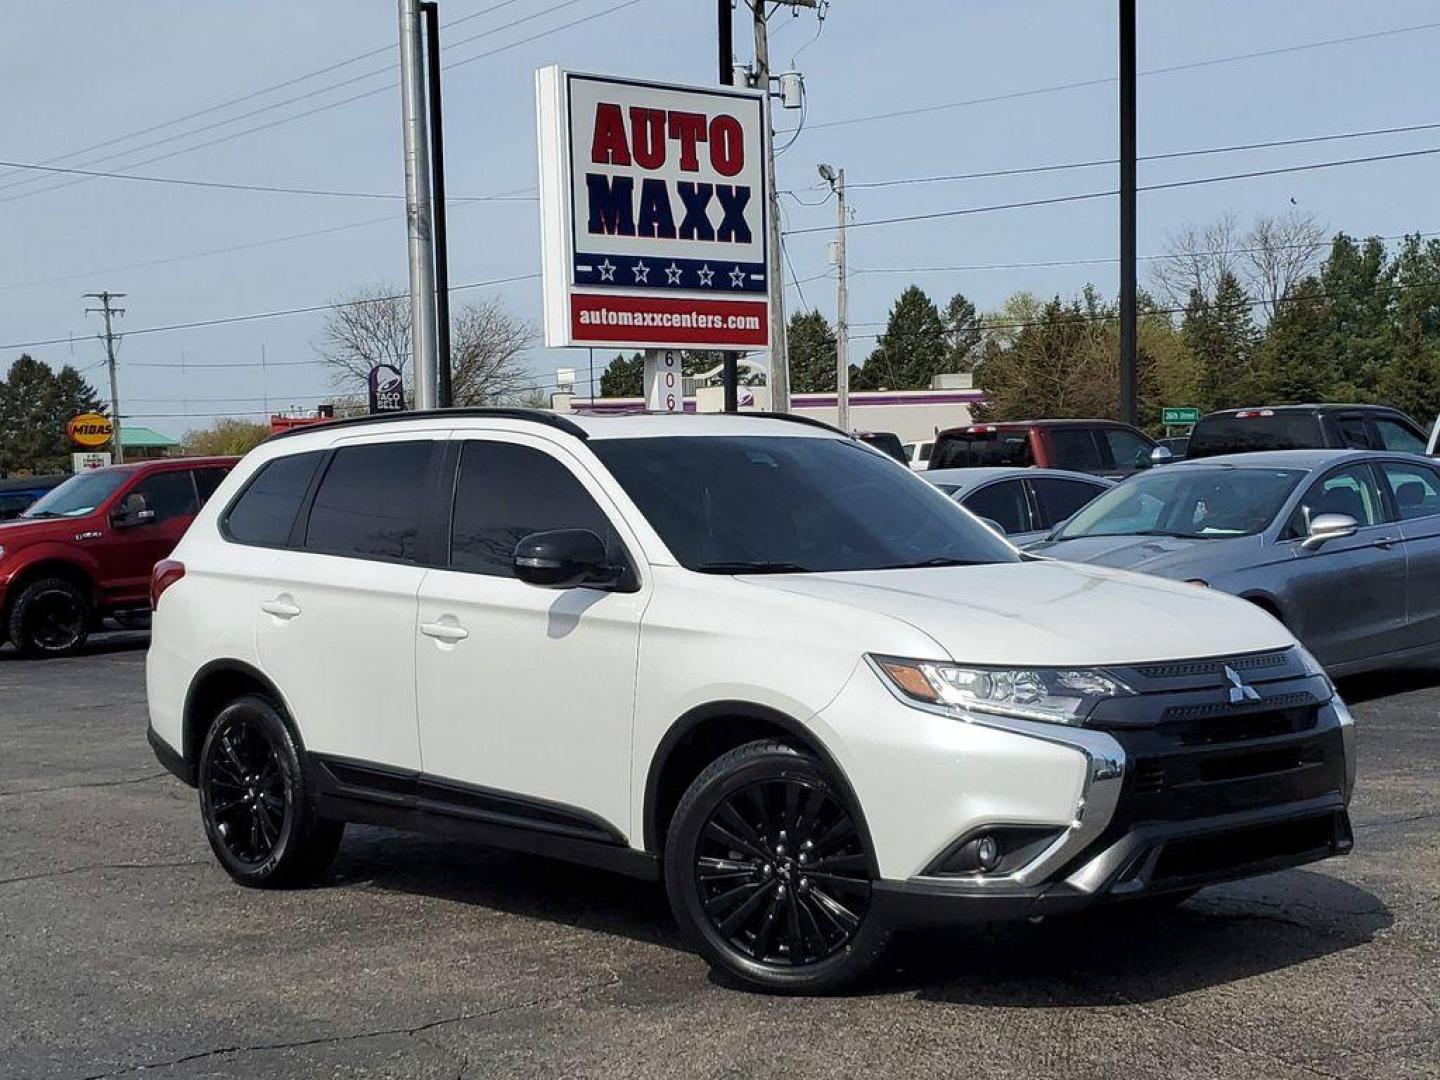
pixel 1268 603
pixel 707 731
pixel 57 565
pixel 216 683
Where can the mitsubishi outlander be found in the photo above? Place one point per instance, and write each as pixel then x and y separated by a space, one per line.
pixel 746 656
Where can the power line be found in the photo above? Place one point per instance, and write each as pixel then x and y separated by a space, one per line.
pixel 1097 162
pixel 255 316
pixel 257 93
pixel 182 182
pixel 1057 199
pixel 308 112
pixel 1083 83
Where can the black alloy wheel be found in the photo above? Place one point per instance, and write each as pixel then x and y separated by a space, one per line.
pixel 769 875
pixel 50 617
pixel 248 799
pixel 254 799
pixel 780 872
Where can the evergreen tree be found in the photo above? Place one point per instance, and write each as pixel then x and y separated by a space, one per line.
pixel 911 350
pixel 1221 335
pixel 624 376
pixel 35 404
pixel 1295 362
pixel 1359 295
pixel 812 345
pixel 963 334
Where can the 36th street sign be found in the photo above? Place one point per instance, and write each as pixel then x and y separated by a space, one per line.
pixel 653 203
pixel 1171 415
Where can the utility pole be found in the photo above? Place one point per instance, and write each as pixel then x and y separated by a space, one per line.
pixel 1129 403
pixel 730 373
pixel 836 177
pixel 106 310
pixel 779 353
pixel 418 206
pixel 444 389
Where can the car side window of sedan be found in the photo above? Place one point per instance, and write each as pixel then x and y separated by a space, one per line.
pixel 1415 488
pixel 1060 499
pixel 1003 503
pixel 1350 491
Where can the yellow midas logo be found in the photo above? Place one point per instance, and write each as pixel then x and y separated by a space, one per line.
pixel 90 429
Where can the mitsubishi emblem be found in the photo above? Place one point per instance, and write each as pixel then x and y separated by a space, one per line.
pixel 1240 690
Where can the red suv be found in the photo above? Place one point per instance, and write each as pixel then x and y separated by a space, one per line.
pixel 85 549
pixel 1101 447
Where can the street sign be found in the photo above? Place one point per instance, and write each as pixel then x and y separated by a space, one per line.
pixel 92 460
pixel 652 213
pixel 90 430
pixel 1179 416
pixel 387 389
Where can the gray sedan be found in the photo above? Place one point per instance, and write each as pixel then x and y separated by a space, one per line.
pixel 1343 546
pixel 1023 503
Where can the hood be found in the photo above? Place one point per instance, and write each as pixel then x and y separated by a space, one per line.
pixel 15 531
pixel 1167 556
pixel 1049 613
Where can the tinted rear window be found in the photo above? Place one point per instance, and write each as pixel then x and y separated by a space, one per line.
pixel 1235 435
pixel 369 501
pixel 974 450
pixel 265 511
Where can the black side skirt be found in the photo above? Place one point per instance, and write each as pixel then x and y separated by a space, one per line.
pixel 360 791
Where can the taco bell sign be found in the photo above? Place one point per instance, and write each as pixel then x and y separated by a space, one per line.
pixel 653 203
pixel 387 389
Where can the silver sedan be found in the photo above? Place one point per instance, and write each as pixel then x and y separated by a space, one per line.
pixel 1343 546
pixel 1024 504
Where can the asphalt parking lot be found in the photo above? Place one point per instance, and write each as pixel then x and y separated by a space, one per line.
pixel 126 951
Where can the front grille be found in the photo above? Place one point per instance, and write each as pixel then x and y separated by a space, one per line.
pixel 1149 778
pixel 1217 854
pixel 1208 725
pixel 1186 669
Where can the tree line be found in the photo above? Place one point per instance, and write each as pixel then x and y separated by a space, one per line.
pixel 1271 315
pixel 35 403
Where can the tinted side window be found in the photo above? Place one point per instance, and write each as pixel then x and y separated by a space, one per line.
pixel 1128 450
pixel 206 481
pixel 369 502
pixel 964 451
pixel 1003 503
pixel 1394 435
pixel 1232 434
pixel 1074 448
pixel 1416 489
pixel 1350 491
pixel 167 494
pixel 1059 499
pixel 1351 432
pixel 265 511
pixel 503 493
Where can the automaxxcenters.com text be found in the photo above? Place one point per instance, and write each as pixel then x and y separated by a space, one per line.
pixel 700 322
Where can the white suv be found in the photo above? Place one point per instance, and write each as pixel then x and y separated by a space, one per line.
pixel 745 655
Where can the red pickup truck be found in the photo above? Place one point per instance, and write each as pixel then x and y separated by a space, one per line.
pixel 85 550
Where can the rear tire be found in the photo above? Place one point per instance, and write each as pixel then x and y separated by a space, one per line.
pixel 257 809
pixel 51 617
pixel 768 874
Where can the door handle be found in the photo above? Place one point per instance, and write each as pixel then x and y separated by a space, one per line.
pixel 1386 542
pixel 446 630
pixel 282 607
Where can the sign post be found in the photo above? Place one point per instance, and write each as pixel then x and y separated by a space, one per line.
pixel 654 222
pixel 664 384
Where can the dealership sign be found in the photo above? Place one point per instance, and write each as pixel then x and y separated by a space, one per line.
pixel 90 430
pixel 653 204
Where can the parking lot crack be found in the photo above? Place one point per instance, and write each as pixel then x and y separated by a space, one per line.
pixel 1387 822
pixel 414 1031
pixel 76 787
pixel 103 866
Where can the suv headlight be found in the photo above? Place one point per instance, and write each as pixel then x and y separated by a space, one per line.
pixel 1056 695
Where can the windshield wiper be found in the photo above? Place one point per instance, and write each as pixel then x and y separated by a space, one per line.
pixel 42 514
pixel 938 560
pixel 757 567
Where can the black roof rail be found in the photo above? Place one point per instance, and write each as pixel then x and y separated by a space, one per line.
pixel 501 412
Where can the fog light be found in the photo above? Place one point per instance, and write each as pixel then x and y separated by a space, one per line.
pixel 987 853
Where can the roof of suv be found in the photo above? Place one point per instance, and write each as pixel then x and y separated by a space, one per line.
pixel 1015 425
pixel 629 426
pixel 1311 407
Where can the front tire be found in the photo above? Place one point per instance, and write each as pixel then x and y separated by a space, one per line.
pixel 254 802
pixel 50 618
pixel 768 874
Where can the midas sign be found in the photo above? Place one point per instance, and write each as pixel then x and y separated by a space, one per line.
pixel 90 429
pixel 653 207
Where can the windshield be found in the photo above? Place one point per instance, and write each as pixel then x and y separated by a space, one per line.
pixel 78 496
pixel 1189 502
pixel 777 504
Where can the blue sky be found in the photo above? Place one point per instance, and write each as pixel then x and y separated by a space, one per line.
pixel 80 72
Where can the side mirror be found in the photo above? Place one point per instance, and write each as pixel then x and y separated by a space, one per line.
pixel 564 559
pixel 1327 527
pixel 132 511
pixel 994 526
pixel 1160 455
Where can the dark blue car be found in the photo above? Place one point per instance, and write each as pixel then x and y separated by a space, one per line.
pixel 19 492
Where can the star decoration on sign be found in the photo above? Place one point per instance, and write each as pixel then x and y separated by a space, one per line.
pixel 706 275
pixel 737 278
pixel 672 274
pixel 642 272
pixel 607 271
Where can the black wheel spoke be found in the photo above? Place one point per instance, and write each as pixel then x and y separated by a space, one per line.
pixel 244 791
pixel 769 865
